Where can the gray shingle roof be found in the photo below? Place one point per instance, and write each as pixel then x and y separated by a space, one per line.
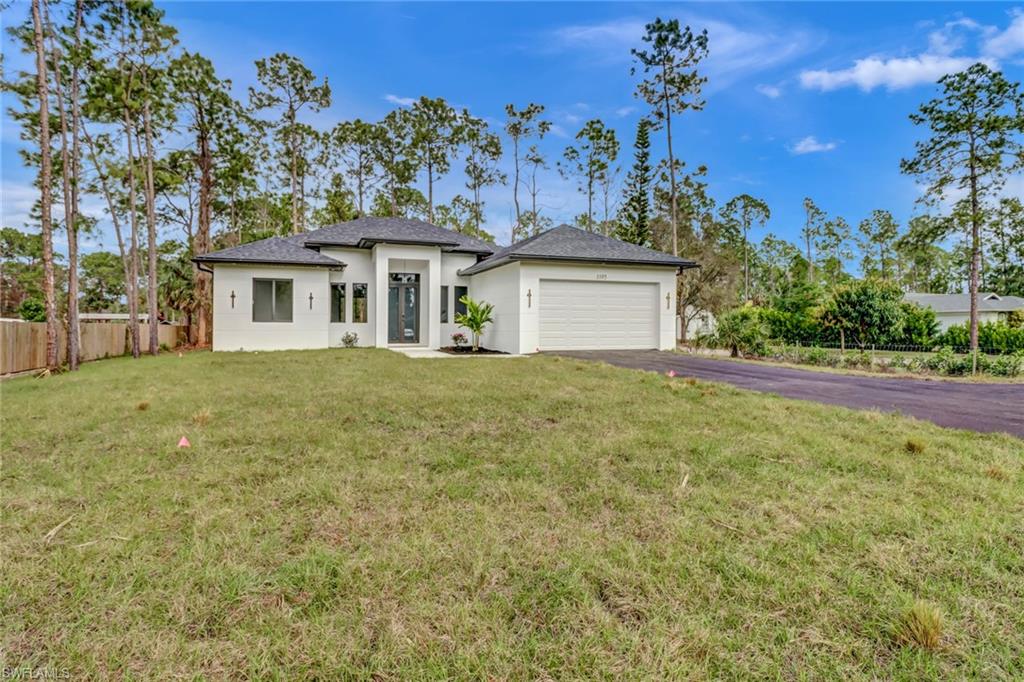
pixel 280 250
pixel 301 249
pixel 961 303
pixel 369 230
pixel 567 243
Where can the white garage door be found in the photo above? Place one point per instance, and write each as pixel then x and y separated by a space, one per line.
pixel 591 315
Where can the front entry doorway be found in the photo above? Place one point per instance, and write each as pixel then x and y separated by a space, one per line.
pixel 403 307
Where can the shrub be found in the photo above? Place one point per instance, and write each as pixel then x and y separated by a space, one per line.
pixel 1006 365
pixel 898 361
pixel 941 360
pixel 1015 319
pixel 997 337
pixel 919 325
pixel 741 330
pixel 32 310
pixel 459 339
pixel 816 356
pixel 349 339
pixel 865 312
pixel 859 358
pixel 914 446
pixel 791 327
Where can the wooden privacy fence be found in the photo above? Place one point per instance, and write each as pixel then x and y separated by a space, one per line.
pixel 23 344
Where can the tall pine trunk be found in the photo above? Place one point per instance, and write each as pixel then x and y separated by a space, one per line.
pixel 517 228
pixel 671 161
pixel 746 268
pixel 430 190
pixel 69 181
pixel 133 250
pixel 975 259
pixel 201 242
pixel 296 228
pixel 76 173
pixel 46 188
pixel 151 290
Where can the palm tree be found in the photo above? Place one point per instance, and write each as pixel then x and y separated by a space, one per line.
pixel 476 317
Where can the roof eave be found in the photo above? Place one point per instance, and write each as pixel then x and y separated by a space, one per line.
pixel 504 260
pixel 266 261
pixel 371 242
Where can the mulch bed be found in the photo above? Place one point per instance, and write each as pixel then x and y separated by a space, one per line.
pixel 468 350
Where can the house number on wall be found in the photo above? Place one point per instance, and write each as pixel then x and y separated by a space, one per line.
pixel 602 276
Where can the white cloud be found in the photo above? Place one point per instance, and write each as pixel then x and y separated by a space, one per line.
pixel 810 145
pixel 893 74
pixel 400 101
pixel 622 112
pixel 735 51
pixel 558 131
pixel 1009 42
pixel 770 91
pixel 943 55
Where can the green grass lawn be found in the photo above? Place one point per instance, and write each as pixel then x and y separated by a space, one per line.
pixel 355 513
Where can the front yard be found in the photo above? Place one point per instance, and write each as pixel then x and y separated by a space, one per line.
pixel 356 513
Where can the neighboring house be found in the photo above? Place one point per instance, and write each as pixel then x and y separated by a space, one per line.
pixel 954 309
pixel 395 281
pixel 702 323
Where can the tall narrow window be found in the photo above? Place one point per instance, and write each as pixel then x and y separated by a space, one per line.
pixel 337 303
pixel 460 307
pixel 271 300
pixel 359 302
pixel 444 304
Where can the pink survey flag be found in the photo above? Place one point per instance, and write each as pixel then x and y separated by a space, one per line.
pixel 671 372
pixel 183 443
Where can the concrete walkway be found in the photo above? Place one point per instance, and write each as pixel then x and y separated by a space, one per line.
pixel 992 407
pixel 421 353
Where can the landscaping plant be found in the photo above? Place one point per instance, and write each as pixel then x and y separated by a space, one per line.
pixel 478 315
pixel 742 330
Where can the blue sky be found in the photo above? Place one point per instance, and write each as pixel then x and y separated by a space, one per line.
pixel 802 100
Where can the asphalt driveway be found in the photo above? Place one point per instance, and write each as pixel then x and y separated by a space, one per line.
pixel 978 407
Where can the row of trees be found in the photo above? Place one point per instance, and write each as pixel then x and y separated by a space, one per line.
pixel 120 112
pixel 975 141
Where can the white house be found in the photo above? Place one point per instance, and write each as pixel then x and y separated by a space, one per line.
pixel 954 309
pixel 396 281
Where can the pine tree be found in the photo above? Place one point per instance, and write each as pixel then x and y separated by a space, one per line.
pixel 635 217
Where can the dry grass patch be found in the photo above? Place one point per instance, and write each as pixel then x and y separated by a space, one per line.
pixel 921 625
pixel 914 446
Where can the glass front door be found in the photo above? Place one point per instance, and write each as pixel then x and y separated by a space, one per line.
pixel 403 308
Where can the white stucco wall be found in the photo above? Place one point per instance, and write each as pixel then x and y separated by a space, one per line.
pixel 513 289
pixel 233 328
pixel 358 270
pixel 947 320
pixel 501 288
pixel 532 273
pixel 451 263
pixel 424 260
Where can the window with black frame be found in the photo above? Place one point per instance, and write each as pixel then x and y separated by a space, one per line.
pixel 359 302
pixel 271 300
pixel 338 302
pixel 460 307
pixel 444 304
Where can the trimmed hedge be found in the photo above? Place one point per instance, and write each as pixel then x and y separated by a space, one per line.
pixel 993 337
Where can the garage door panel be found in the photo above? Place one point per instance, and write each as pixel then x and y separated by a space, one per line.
pixel 589 314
